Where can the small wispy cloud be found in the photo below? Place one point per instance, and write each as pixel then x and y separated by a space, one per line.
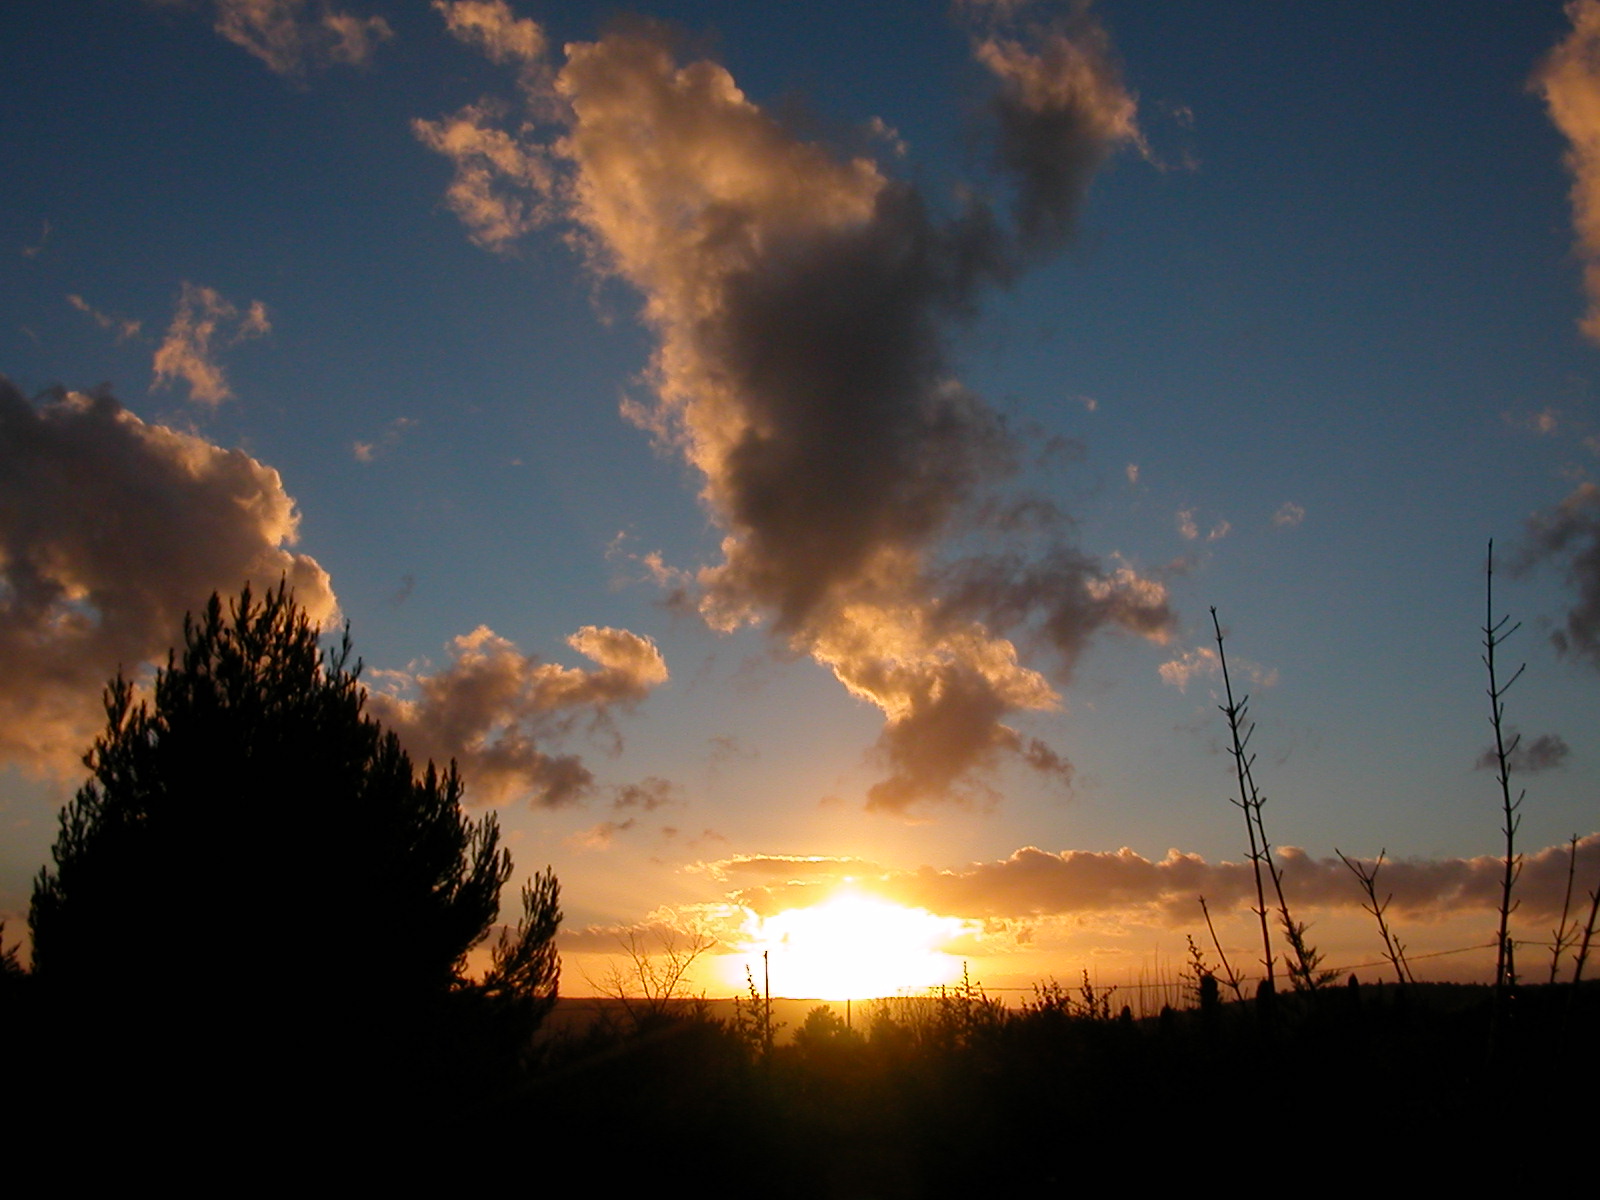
pixel 203 323
pixel 124 327
pixel 600 837
pixel 1569 533
pixel 1288 515
pixel 1177 672
pixel 292 36
pixel 37 248
pixel 386 441
pixel 647 795
pixel 1202 662
pixel 1528 755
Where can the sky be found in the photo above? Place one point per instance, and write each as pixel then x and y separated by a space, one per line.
pixel 788 453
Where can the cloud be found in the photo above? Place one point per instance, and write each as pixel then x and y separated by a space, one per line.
pixel 1202 660
pixel 1569 80
pixel 1187 529
pixel 1570 533
pixel 600 837
pixel 649 794
pixel 386 441
pixel 111 530
pixel 1289 515
pixel 800 300
pixel 491 26
pixel 493 709
pixel 1061 111
pixel 290 36
pixel 37 248
pixel 125 328
pixel 1542 753
pixel 1032 883
pixel 502 183
pixel 186 353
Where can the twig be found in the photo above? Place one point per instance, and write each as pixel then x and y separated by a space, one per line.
pixel 1588 934
pixel 1393 948
pixel 1303 967
pixel 1564 936
pixel 1235 714
pixel 1494 634
pixel 1232 979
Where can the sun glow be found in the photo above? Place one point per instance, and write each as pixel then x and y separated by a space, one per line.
pixel 850 947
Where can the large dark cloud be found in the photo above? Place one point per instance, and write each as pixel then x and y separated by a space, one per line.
pixel 111 530
pixel 801 302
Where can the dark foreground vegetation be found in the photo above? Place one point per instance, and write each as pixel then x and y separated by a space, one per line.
pixel 950 1095
pixel 956 1095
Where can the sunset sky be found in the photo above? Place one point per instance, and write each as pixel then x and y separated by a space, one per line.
pixel 779 448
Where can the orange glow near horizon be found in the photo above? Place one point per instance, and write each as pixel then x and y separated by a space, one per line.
pixel 849 947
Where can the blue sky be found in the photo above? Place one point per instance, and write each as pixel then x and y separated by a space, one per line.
pixel 1313 339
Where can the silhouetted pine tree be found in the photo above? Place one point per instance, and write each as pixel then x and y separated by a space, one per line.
pixel 256 888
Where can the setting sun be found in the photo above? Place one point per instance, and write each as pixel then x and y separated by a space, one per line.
pixel 851 947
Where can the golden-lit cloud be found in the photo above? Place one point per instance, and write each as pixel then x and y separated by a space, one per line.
pixel 1201 660
pixel 495 710
pixel 502 182
pixel 800 301
pixel 492 27
pixel 1569 80
pixel 204 322
pixel 290 36
pixel 111 530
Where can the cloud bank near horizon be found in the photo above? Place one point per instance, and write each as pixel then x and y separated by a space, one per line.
pixel 1033 884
